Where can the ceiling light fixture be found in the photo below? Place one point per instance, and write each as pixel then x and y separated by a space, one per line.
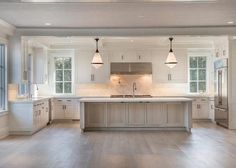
pixel 171 59
pixel 230 22
pixel 97 59
pixel 48 24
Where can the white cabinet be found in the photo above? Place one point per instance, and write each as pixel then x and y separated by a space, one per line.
pixel 164 74
pixel 200 108
pixel 130 56
pixel 65 109
pixel 28 117
pixel 86 73
pixel 95 114
pixel 40 73
pixel 212 109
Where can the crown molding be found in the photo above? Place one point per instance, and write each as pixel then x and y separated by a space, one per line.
pixel 6 28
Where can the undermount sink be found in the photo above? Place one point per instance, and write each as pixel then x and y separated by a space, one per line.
pixel 130 96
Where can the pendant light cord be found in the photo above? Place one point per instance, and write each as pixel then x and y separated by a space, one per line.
pixel 97 45
pixel 171 39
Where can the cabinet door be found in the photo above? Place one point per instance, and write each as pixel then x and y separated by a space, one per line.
pixel 40 65
pixel 163 74
pixel 69 111
pixel 77 112
pixel 95 114
pixel 58 112
pixel 143 56
pixel 212 110
pixel 136 114
pixel 175 114
pixel 204 111
pixel 116 114
pixel 155 114
pixel 195 110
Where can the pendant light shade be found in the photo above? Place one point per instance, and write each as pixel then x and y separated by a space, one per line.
pixel 171 60
pixel 97 59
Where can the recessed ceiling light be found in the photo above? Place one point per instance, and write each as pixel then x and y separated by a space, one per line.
pixel 230 22
pixel 132 41
pixel 48 24
pixel 141 16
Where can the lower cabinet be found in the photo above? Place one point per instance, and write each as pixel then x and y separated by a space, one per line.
pixel 116 116
pixel 28 117
pixel 175 114
pixel 155 114
pixel 134 114
pixel 65 109
pixel 200 108
pixel 95 114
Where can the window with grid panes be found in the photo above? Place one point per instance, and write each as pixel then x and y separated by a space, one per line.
pixel 197 74
pixel 63 75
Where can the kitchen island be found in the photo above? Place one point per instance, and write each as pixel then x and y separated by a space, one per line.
pixel 136 113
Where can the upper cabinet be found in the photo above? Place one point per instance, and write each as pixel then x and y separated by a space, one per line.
pixel 164 74
pixel 40 68
pixel 130 56
pixel 86 73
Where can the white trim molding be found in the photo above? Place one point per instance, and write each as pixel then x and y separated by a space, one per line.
pixel 4 129
pixel 6 28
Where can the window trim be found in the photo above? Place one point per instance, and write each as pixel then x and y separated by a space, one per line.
pixel 200 54
pixel 65 54
pixel 6 77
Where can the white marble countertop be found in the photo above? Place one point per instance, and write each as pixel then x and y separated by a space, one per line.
pixel 153 99
pixel 28 100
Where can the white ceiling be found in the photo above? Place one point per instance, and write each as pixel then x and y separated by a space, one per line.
pixel 119 13
pixel 124 42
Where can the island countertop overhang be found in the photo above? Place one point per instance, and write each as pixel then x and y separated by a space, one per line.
pixel 164 99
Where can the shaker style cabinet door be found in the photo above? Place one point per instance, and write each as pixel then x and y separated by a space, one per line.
pixel 116 115
pixel 136 114
pixel 155 114
pixel 95 114
pixel 175 114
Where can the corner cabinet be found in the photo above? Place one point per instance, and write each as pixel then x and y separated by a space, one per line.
pixel 65 109
pixel 28 117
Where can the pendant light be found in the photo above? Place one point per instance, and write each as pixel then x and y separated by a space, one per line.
pixel 171 59
pixel 97 59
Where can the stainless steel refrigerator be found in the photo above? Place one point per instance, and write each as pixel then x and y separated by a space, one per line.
pixel 221 92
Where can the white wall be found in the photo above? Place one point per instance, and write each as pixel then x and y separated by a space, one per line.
pixel 232 84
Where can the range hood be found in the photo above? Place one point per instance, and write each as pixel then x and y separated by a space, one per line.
pixel 131 68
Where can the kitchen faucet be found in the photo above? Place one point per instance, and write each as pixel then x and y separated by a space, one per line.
pixel 134 88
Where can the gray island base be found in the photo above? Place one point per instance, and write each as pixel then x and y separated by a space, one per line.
pixel 136 114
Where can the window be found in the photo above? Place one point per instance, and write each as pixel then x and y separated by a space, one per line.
pixel 197 74
pixel 63 75
pixel 2 77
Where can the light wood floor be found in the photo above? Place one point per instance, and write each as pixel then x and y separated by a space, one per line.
pixel 63 146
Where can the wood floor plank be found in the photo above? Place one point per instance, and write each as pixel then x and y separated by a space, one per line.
pixel 62 145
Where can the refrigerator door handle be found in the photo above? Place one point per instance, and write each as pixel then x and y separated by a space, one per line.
pixel 220 109
pixel 220 87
